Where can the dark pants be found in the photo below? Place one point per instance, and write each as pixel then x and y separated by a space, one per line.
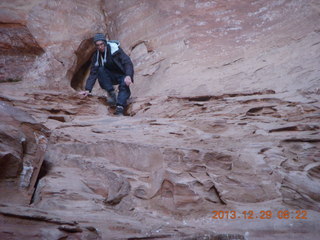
pixel 107 79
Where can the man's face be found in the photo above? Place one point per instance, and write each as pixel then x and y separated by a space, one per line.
pixel 100 45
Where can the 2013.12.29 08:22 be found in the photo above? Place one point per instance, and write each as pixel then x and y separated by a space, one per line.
pixel 263 214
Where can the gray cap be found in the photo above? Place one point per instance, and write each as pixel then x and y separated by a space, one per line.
pixel 99 37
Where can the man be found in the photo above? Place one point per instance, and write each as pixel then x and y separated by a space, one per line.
pixel 111 66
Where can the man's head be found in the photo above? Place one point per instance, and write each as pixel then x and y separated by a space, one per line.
pixel 99 40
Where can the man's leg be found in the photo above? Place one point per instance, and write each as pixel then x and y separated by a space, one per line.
pixel 124 92
pixel 123 95
pixel 106 79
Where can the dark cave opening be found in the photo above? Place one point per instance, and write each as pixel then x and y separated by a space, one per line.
pixel 80 76
pixel 82 68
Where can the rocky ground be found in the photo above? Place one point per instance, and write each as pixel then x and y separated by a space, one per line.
pixel 141 176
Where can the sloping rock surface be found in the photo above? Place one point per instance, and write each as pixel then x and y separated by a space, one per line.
pixel 224 117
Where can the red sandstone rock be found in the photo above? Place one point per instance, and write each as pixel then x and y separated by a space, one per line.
pixel 22 146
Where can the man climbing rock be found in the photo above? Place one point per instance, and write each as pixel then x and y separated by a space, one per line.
pixel 112 66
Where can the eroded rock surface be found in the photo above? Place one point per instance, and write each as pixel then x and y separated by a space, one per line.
pixel 18 51
pixel 243 152
pixel 197 47
pixel 224 116
pixel 23 143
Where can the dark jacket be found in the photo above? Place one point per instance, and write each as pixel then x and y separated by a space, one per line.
pixel 119 57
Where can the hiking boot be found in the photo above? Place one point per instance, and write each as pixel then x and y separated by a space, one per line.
pixel 119 111
pixel 112 98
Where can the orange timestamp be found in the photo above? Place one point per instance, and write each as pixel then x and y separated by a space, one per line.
pixel 263 214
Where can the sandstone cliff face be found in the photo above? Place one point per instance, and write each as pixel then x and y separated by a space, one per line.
pixel 224 116
pixel 214 47
pixel 58 28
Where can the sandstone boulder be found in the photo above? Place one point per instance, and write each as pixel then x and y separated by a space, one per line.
pixel 22 147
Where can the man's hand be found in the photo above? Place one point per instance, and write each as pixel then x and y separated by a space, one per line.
pixel 128 80
pixel 85 93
